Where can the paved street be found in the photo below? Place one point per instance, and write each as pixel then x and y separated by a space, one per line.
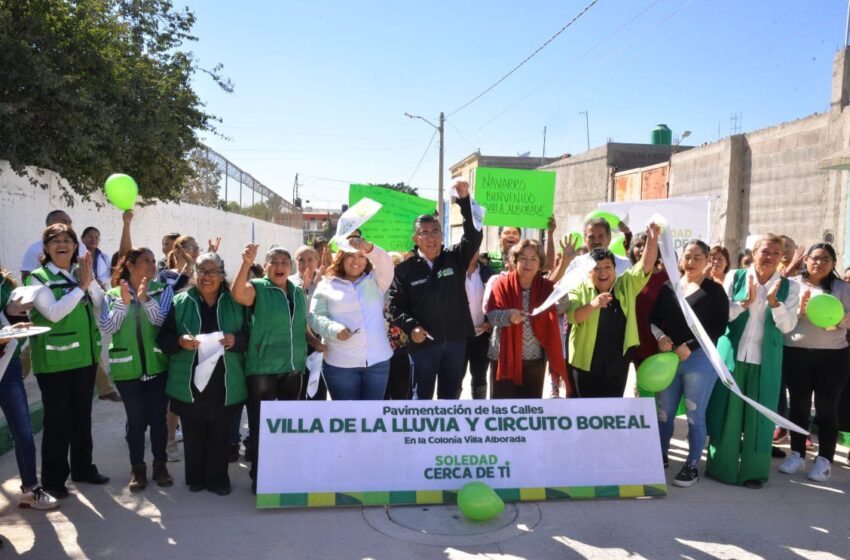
pixel 790 518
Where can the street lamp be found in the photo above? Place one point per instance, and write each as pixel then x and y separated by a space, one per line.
pixel 441 130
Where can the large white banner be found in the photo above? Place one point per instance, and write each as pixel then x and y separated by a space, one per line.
pixel 393 452
pixel 688 217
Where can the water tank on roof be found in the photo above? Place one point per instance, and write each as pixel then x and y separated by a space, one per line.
pixel 661 135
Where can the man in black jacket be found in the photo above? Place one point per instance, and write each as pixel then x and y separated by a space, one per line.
pixel 428 301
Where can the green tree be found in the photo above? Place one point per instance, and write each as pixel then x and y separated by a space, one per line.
pixel 203 186
pixel 94 87
pixel 400 187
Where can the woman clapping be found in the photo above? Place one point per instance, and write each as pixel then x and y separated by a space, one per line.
pixel 65 359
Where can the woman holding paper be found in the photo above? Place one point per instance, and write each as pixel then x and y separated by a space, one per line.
pixel 763 306
pixel 134 311
pixel 816 360
pixel 277 349
pixel 695 376
pixel 347 310
pixel 603 316
pixel 65 359
pixel 13 399
pixel 206 336
pixel 526 343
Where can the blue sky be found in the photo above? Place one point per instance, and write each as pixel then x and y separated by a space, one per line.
pixel 321 87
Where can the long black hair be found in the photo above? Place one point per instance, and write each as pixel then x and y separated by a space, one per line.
pixel 826 282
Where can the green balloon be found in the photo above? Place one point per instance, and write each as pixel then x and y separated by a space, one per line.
pixel 825 311
pixel 618 245
pixel 479 502
pixel 612 219
pixel 121 190
pixel 657 372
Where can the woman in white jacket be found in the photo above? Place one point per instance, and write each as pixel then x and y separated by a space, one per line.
pixel 347 310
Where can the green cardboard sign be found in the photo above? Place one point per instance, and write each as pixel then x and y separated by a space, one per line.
pixel 392 227
pixel 515 197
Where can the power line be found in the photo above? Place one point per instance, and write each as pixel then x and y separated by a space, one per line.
pixel 462 137
pixel 529 57
pixel 560 72
pixel 425 153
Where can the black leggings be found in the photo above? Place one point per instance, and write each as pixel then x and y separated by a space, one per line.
pixel 606 378
pixel 824 373
pixel 269 387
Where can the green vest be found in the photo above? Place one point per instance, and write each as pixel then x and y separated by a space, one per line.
pixel 6 288
pixel 497 260
pixel 278 342
pixel 771 363
pixel 187 316
pixel 133 350
pixel 73 342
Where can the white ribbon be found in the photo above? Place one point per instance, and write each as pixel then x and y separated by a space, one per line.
pixel 668 255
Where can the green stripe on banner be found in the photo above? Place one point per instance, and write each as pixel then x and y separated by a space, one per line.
pixel 403 497
pixel 422 497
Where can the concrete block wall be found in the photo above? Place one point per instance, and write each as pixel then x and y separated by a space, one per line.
pixel 23 208
pixel 582 181
pixel 786 189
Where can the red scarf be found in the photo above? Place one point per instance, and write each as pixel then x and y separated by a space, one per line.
pixel 507 294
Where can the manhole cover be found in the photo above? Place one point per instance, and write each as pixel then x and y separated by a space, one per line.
pixel 444 525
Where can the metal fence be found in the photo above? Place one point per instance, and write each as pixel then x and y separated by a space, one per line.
pixel 240 192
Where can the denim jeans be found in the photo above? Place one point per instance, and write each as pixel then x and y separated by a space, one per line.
pixel 695 380
pixel 13 401
pixel 440 364
pixel 145 403
pixel 357 383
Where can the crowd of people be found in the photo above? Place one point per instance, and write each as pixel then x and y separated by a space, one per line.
pixel 409 326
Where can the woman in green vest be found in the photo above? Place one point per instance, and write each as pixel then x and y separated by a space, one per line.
pixel 277 349
pixel 206 395
pixel 763 306
pixel 603 316
pixel 133 312
pixel 65 359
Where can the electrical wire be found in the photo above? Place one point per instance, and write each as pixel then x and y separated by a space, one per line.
pixel 425 153
pixel 529 57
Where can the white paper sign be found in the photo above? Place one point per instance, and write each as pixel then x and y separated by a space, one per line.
pixel 564 445
pixel 355 217
pixel 688 217
pixel 209 352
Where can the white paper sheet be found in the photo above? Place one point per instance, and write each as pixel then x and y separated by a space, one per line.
pixel 314 366
pixel 209 352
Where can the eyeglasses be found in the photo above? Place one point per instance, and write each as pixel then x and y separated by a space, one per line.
pixel 430 233
pixel 825 260
pixel 202 272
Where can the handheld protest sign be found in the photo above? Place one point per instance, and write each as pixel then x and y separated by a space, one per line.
pixel 351 220
pixel 391 228
pixel 515 197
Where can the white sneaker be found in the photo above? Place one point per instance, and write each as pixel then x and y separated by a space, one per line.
pixel 172 452
pixel 37 498
pixel 793 463
pixel 821 470
pixel 178 435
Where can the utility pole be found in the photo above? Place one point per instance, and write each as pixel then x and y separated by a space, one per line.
pixel 587 126
pixel 441 129
pixel 847 29
pixel 543 157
